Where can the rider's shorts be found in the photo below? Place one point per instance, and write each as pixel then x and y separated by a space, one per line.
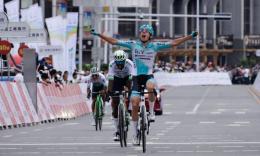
pixel 119 83
pixel 139 81
pixel 96 87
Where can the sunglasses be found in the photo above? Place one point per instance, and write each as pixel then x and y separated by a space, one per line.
pixel 143 30
pixel 94 75
pixel 120 62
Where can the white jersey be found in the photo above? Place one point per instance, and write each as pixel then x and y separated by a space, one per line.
pixel 126 71
pixel 101 79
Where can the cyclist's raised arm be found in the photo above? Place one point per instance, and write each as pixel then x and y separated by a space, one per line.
pixel 179 41
pixel 110 40
pixel 175 42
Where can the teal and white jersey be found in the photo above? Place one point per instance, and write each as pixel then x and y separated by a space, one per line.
pixel 143 57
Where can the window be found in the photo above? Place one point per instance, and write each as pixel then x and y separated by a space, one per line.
pixel 126 28
pixel 246 17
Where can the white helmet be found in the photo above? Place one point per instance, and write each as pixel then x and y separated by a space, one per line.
pixel 94 71
pixel 119 55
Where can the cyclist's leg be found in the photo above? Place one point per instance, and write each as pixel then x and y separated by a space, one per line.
pixel 128 85
pixel 94 97
pixel 135 100
pixel 151 86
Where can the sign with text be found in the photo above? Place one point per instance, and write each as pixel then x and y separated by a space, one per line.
pixel 252 41
pixel 15 29
pixel 50 49
pixel 225 42
pixel 35 36
pixel 5 47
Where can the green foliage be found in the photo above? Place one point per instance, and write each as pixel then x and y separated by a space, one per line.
pixel 87 67
pixel 104 67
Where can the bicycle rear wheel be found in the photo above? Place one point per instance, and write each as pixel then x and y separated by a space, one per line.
pixel 143 128
pixel 100 123
pixel 121 125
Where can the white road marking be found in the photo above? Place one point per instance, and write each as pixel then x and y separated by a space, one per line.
pixel 23 132
pixel 7 136
pixel 107 123
pixel 167 113
pixel 207 122
pixel 233 125
pixel 165 151
pixel 250 150
pixel 222 110
pixel 160 134
pixel 37 130
pixel 161 147
pixel 184 151
pixel 242 122
pixel 240 112
pixel 195 109
pixel 154 138
pixel 172 122
pixel 70 124
pixel 215 112
pixel 112 143
pixel 231 146
pixel 204 151
pixel 230 151
pixel 10 148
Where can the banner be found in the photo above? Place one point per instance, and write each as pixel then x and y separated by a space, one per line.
pixel 3 20
pixel 1 5
pixel 71 42
pixel 87 15
pixel 47 50
pixel 57 33
pixel 15 29
pixel 33 16
pixel 12 8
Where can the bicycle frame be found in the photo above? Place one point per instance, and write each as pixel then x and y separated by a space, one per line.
pixel 98 112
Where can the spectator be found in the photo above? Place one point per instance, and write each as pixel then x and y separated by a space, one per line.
pixel 65 77
pixel 19 75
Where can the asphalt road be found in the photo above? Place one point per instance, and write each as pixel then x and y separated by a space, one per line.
pixel 197 121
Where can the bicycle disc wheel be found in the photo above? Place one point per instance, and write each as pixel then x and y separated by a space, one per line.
pixel 143 133
pixel 121 126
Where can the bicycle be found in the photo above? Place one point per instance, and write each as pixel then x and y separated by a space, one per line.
pixel 98 111
pixel 123 120
pixel 143 126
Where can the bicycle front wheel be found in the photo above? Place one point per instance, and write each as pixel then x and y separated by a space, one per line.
pixel 121 125
pixel 143 128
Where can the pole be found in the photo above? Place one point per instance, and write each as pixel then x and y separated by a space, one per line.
pixel 106 44
pixel 54 8
pixel 198 41
pixel 80 35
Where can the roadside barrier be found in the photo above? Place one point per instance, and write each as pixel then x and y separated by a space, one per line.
pixel 17 109
pixel 16 106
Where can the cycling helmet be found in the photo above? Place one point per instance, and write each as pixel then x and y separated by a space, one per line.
pixel 148 28
pixel 120 57
pixel 94 71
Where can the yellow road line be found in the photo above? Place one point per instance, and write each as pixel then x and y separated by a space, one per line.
pixel 254 93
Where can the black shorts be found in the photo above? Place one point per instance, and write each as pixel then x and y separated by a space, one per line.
pixel 139 81
pixel 96 87
pixel 119 83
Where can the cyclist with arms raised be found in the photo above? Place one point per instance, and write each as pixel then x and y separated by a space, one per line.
pixel 96 83
pixel 143 55
pixel 119 76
